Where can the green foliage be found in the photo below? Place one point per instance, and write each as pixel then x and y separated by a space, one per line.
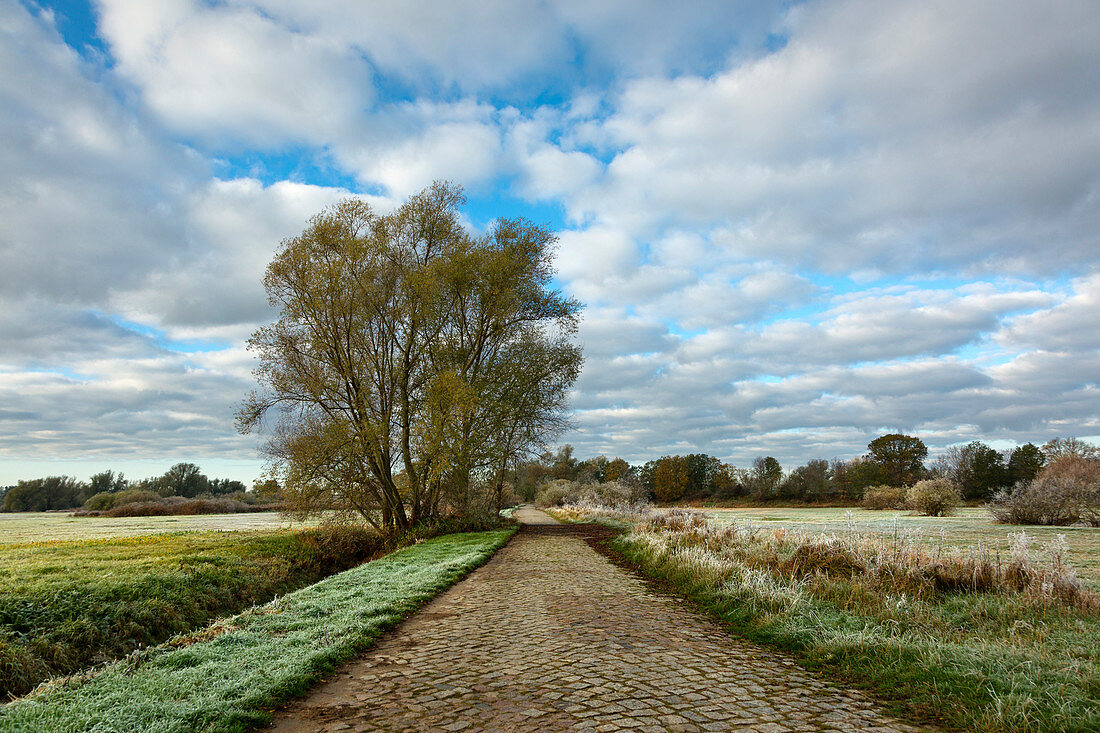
pixel 228 677
pixel 412 360
pixel 936 497
pixel 109 500
pixel 1025 463
pixel 901 457
pixel 45 494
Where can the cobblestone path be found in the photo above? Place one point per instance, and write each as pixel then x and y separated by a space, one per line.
pixel 551 636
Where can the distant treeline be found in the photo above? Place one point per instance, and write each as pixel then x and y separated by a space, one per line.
pixel 978 470
pixel 104 488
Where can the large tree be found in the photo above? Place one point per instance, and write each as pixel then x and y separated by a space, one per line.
pixel 901 456
pixel 412 360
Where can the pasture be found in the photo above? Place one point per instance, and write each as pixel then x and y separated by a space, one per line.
pixel 968 528
pixel 22 527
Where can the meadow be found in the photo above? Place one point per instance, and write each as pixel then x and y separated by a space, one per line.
pixel 969 527
pixel 21 527
pixel 91 589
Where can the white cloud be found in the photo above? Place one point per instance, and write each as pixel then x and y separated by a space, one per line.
pixel 222 71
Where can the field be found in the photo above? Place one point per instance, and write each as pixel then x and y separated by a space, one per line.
pixel 228 677
pixel 968 528
pixel 66 603
pixel 47 526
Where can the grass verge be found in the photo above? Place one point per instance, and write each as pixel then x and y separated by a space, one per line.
pixel 1002 658
pixel 228 677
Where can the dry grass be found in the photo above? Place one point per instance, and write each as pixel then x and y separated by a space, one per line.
pixel 969 528
pixel 969 637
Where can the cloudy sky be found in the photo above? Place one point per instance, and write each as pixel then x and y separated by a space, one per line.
pixel 795 226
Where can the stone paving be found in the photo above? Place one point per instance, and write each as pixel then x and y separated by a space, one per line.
pixel 551 636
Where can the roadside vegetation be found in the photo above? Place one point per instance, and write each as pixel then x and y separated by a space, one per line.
pixel 65 605
pixel 970 638
pixel 228 677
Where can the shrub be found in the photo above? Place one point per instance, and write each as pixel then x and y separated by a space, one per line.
pixel 883 497
pixel 106 500
pixel 560 492
pixel 1065 492
pixel 176 505
pixel 936 497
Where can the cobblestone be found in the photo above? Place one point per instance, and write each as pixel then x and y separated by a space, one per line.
pixel 551 636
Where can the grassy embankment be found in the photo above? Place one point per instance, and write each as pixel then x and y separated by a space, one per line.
pixel 68 604
pixel 227 677
pixel 963 638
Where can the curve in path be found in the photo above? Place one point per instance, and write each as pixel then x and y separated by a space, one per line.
pixel 551 636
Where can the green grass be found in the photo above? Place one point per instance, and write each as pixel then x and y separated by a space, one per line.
pixel 229 682
pixel 67 604
pixel 968 528
pixel 988 661
pixel 24 527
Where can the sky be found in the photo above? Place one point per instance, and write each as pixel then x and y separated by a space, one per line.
pixel 795 226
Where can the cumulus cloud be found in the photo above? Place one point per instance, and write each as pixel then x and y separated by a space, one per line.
pixel 896 137
pixel 794 226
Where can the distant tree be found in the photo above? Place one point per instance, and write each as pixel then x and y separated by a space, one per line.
pixel 618 470
pixel 852 478
pixel 563 464
pixel 226 486
pixel 976 469
pixel 1061 447
pixel 184 479
pixel 1025 463
pixel 591 470
pixel 267 489
pixel 46 494
pixel 107 482
pixel 671 478
pixel 808 483
pixel 987 472
pixel 902 457
pixel 764 478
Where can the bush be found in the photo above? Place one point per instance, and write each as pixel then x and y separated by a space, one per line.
pixel 176 505
pixel 1065 492
pixel 106 500
pixel 936 497
pixel 560 492
pixel 883 497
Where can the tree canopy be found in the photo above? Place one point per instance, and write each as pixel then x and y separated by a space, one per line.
pixel 411 360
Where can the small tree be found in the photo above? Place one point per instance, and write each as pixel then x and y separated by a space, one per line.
pixel 936 497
